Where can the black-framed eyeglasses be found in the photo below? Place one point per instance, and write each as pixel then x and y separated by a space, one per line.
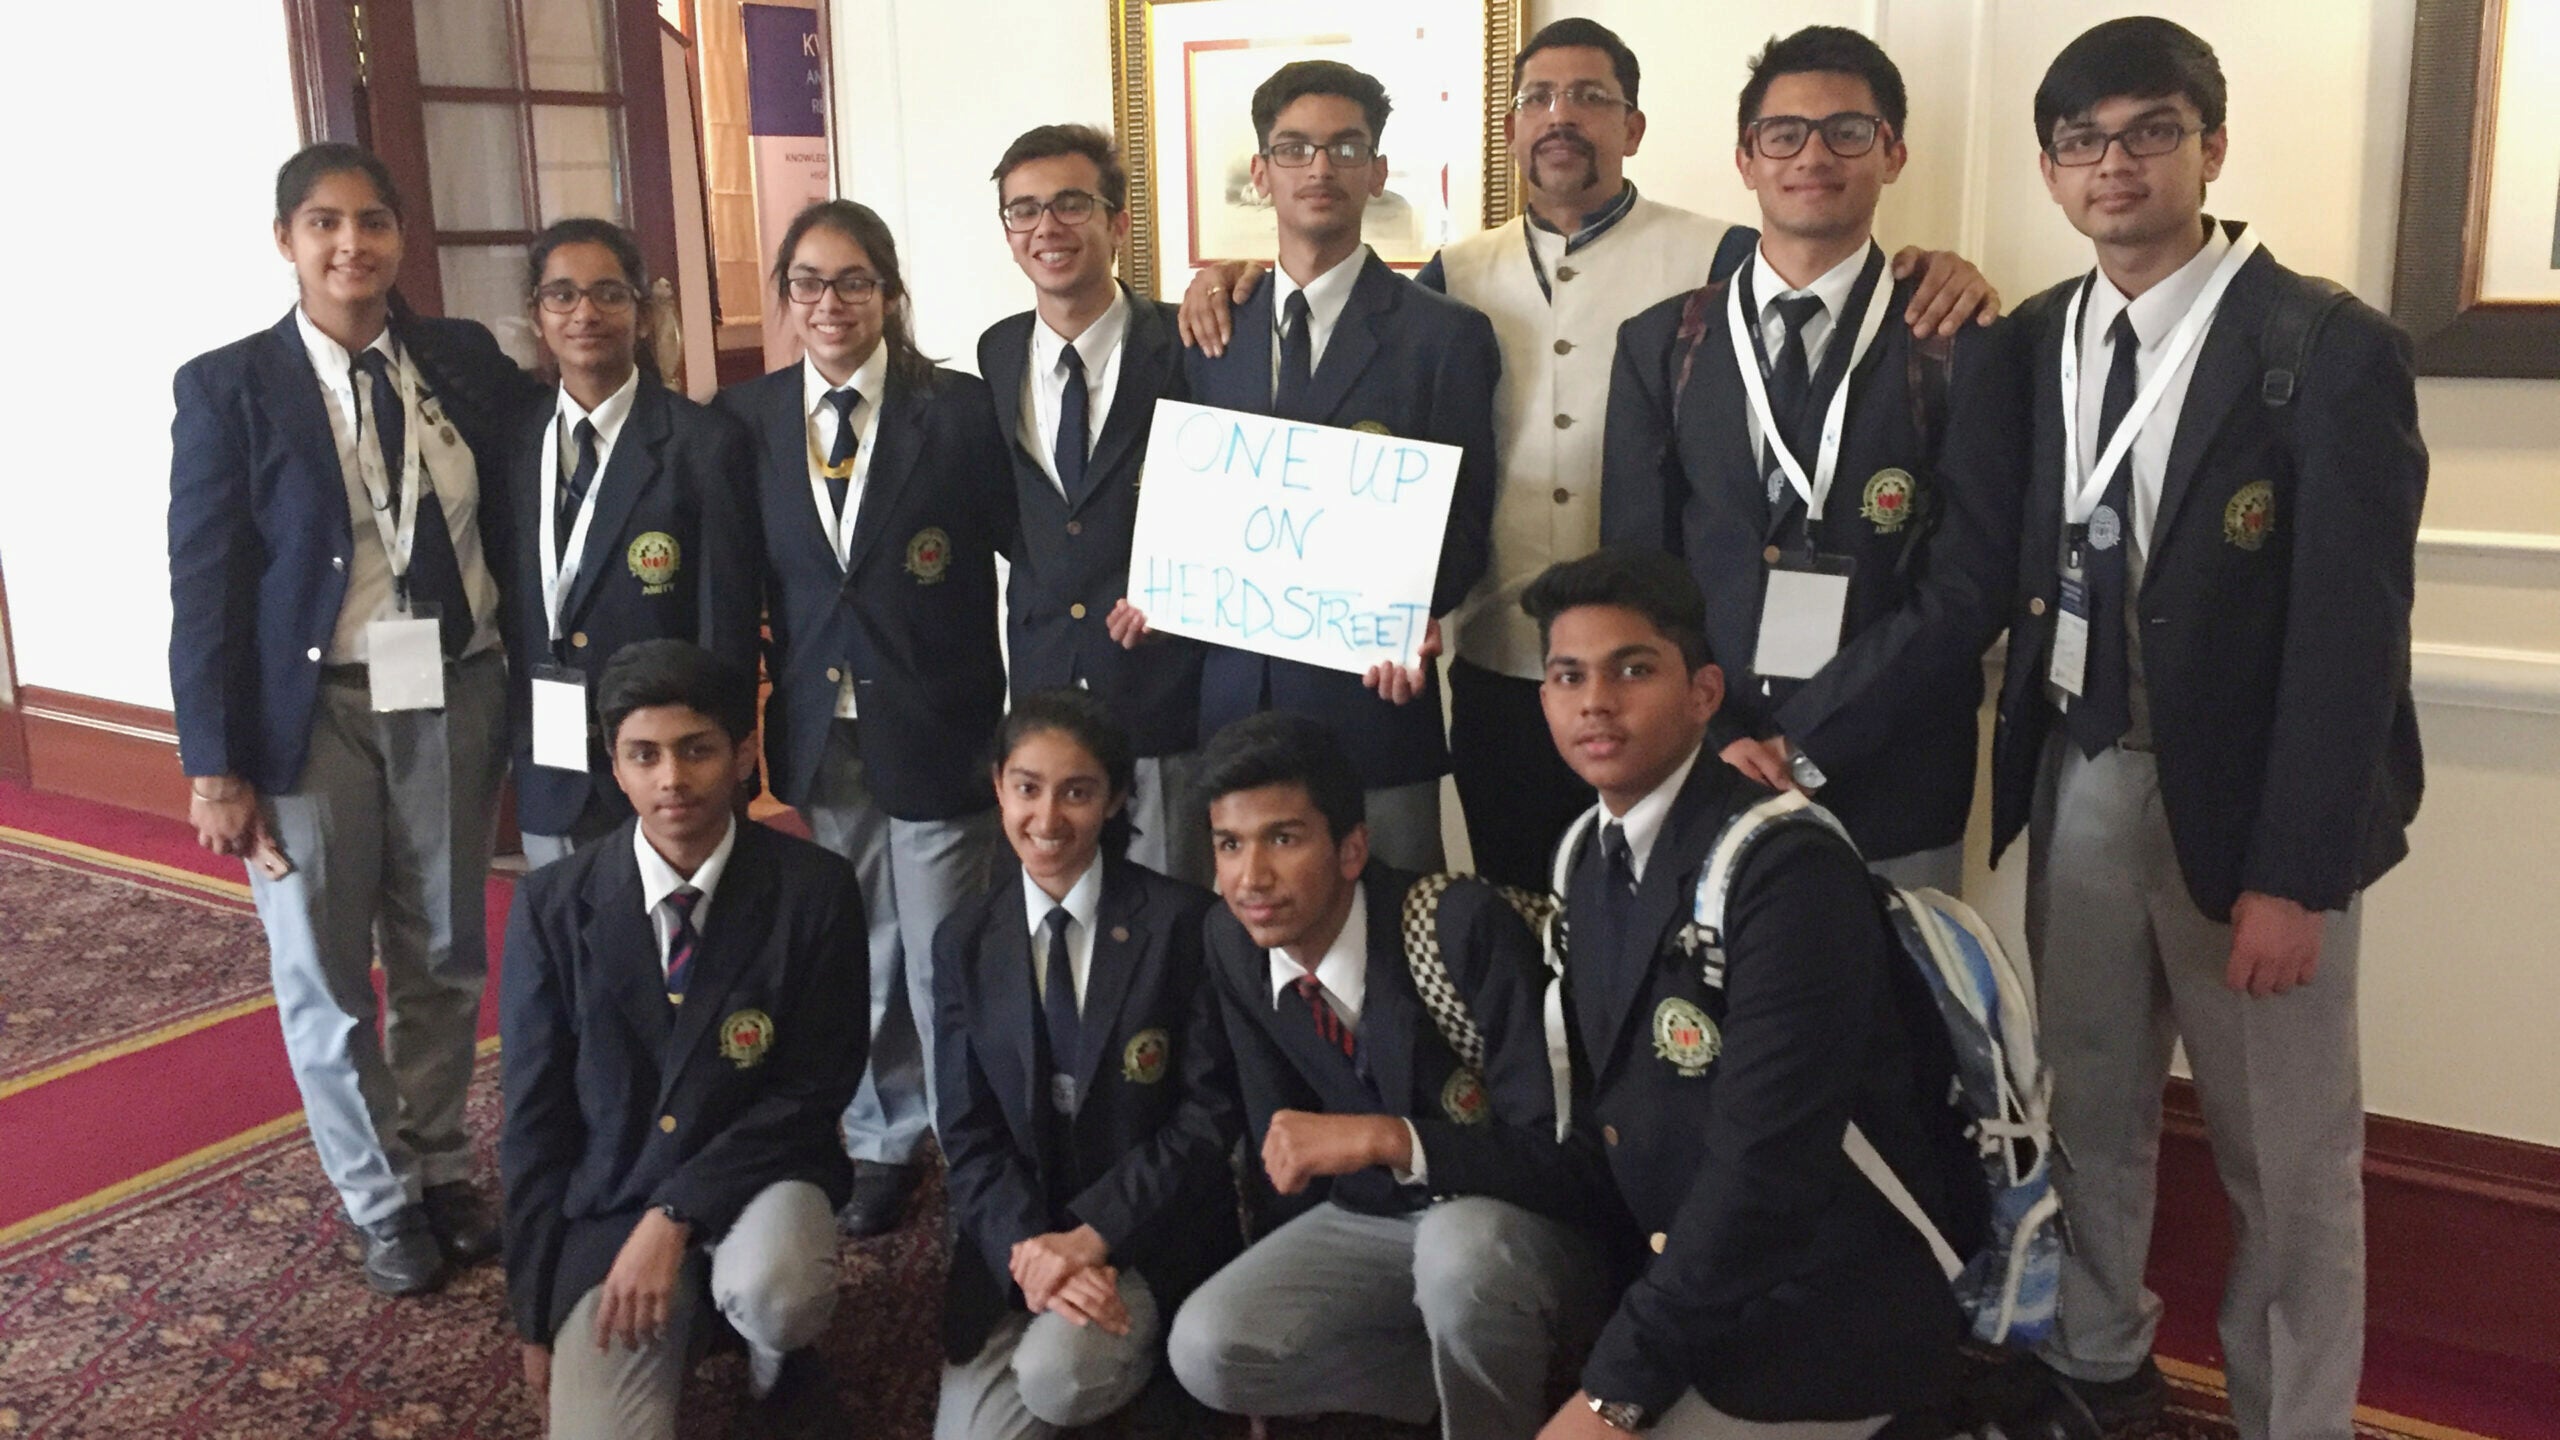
pixel 1072 207
pixel 1847 134
pixel 1588 97
pixel 610 296
pixel 2142 140
pixel 1348 154
pixel 851 289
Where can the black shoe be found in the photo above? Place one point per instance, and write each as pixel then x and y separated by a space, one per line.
pixel 464 1229
pixel 880 1195
pixel 400 1254
pixel 2117 1405
pixel 795 1401
pixel 1166 1411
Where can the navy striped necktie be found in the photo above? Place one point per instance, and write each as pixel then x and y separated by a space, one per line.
pixel 681 946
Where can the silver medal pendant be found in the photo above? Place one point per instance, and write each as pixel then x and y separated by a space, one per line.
pixel 2105 528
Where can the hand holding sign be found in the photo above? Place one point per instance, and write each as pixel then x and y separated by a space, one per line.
pixel 1300 541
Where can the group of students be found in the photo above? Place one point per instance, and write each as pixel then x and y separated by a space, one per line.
pixel 1739 512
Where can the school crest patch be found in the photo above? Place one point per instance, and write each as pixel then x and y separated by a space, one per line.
pixel 1463 1099
pixel 1886 503
pixel 1143 1059
pixel 929 555
pixel 2251 516
pixel 745 1037
pixel 1683 1035
pixel 653 559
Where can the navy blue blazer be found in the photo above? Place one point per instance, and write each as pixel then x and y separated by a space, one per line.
pixel 914 618
pixel 1149 1143
pixel 2276 658
pixel 618 1102
pixel 1778 1282
pixel 1071 553
pixel 1497 1140
pixel 259 531
pixel 1891 718
pixel 680 471
pixel 1424 366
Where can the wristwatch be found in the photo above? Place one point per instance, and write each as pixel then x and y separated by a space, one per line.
pixel 676 1215
pixel 1807 775
pixel 1624 1415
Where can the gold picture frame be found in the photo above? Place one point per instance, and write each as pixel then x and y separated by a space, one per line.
pixel 1447 65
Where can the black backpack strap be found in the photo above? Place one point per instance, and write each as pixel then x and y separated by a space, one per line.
pixel 2292 328
pixel 1928 374
pixel 1736 246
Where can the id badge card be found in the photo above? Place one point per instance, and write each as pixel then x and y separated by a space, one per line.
pixel 560 718
pixel 2070 636
pixel 1801 615
pixel 404 661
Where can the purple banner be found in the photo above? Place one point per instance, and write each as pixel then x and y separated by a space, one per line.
pixel 784 93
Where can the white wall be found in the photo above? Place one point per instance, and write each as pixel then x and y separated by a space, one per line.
pixel 145 183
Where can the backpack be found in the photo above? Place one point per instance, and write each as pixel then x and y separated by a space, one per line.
pixel 2001 1094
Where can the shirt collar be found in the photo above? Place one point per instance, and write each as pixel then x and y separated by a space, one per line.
pixel 2158 310
pixel 1645 818
pixel 331 359
pixel 608 416
pixel 1831 287
pixel 1344 970
pixel 1083 902
pixel 1095 345
pixel 1595 224
pixel 870 377
pixel 658 879
pixel 1326 294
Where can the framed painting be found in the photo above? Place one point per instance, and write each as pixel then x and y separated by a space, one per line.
pixel 1183 76
pixel 2476 273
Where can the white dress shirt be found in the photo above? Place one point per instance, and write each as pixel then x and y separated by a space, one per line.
pixel 1326 295
pixel 870 378
pixel 607 418
pixel 658 880
pixel 1083 903
pixel 2156 312
pixel 1343 975
pixel 1644 819
pixel 1832 288
pixel 1044 382
pixel 450 472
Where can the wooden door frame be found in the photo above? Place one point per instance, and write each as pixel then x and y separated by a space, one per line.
pixel 13 724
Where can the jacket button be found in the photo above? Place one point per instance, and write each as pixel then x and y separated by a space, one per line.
pixel 337 562
pixel 2036 606
pixel 1076 611
pixel 1770 555
pixel 834 676
pixel 312 654
pixel 579 640
pixel 1658 1241
pixel 1564 347
pixel 1564 422
pixel 1566 272
pixel 1563 496
pixel 1120 934
pixel 667 1124
pixel 1075 527
pixel 1609 1133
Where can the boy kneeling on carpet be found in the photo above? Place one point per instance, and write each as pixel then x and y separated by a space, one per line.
pixel 684 1018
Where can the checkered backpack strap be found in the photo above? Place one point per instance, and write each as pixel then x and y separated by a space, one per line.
pixel 1431 979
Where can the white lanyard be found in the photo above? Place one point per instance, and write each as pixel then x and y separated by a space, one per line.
pixel 559 570
pixel 1815 488
pixel 398 538
pixel 2081 490
pixel 838 523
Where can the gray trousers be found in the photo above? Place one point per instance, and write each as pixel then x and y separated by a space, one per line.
pixel 1038 1375
pixel 1404 826
pixel 1939 869
pixel 389 829
pixel 913 874
pixel 2124 965
pixel 1173 825
pixel 1692 1418
pixel 773 1275
pixel 541 850
pixel 1457 1310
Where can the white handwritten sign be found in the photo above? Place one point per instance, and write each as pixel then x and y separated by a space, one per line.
pixel 1301 541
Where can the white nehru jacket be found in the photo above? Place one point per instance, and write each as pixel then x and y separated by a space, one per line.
pixel 1554 396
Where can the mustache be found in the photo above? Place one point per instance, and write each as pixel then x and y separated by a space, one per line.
pixel 1566 135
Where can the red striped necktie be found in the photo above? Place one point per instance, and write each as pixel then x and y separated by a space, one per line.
pixel 1329 1026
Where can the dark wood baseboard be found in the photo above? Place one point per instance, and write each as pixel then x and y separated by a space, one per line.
pixel 103 750
pixel 2462 1231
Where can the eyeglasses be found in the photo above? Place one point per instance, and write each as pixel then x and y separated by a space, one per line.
pixel 1586 98
pixel 851 289
pixel 610 296
pixel 1847 134
pixel 1072 207
pixel 1297 154
pixel 2141 141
